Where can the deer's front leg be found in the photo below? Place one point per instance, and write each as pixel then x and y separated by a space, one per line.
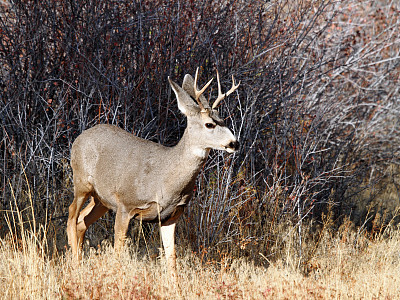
pixel 168 239
pixel 121 227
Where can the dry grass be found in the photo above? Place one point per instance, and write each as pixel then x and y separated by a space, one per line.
pixel 344 265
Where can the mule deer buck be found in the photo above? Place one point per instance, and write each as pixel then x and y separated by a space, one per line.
pixel 141 179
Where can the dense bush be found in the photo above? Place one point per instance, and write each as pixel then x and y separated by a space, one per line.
pixel 317 113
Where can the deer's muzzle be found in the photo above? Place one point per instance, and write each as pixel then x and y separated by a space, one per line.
pixel 232 147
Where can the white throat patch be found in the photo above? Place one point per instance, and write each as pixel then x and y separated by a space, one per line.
pixel 200 152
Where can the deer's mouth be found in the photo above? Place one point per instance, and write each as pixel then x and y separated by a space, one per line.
pixel 232 147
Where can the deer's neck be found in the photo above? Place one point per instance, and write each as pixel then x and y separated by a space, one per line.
pixel 189 155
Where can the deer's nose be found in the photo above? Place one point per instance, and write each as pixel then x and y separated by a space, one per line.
pixel 234 145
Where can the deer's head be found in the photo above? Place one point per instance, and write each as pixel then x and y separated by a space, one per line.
pixel 206 129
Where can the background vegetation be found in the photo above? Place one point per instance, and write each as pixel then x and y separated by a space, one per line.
pixel 317 115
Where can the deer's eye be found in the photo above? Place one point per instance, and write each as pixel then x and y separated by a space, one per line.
pixel 210 125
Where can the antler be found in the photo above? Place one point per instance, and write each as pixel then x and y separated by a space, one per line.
pixel 222 96
pixel 197 92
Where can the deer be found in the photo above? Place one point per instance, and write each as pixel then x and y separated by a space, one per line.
pixel 143 180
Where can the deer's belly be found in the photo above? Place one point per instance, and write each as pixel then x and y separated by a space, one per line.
pixel 154 213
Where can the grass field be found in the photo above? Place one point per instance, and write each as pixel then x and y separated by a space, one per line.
pixel 344 265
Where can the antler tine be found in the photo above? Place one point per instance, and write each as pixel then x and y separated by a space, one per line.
pixel 233 88
pixel 222 96
pixel 197 92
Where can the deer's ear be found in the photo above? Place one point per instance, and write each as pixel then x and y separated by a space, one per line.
pixel 185 103
pixel 188 85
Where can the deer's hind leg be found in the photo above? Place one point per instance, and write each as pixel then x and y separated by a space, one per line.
pixel 74 209
pixel 81 194
pixel 90 214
